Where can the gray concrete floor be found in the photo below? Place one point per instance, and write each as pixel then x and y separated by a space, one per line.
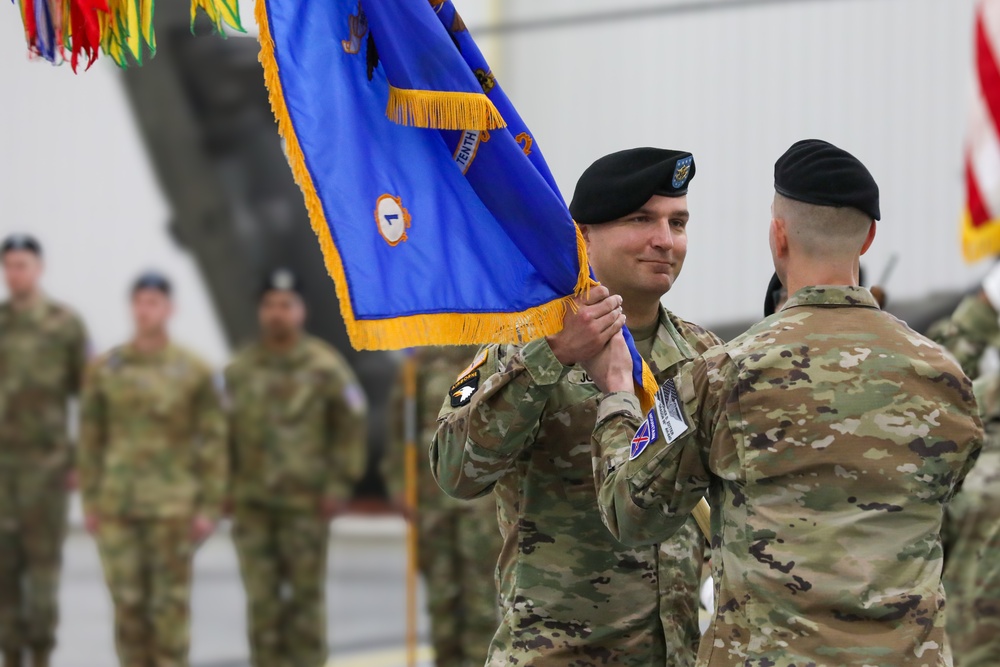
pixel 365 600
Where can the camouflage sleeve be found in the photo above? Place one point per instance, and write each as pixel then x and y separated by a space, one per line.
pixel 79 346
pixel 229 381
pixel 93 438
pixel 393 460
pixel 480 435
pixel 211 453
pixel 651 472
pixel 346 449
pixel 967 333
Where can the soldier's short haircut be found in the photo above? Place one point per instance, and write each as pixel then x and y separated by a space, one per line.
pixel 823 230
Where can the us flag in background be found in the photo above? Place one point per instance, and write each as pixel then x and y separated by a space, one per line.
pixel 981 221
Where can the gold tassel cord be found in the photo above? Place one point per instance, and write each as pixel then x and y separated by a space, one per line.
pixel 443 110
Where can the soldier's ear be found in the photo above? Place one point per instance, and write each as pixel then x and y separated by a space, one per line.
pixel 870 238
pixel 779 238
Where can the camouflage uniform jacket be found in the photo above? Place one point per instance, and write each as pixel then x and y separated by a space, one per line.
pixel 297 426
pixel 570 595
pixel 829 438
pixel 437 368
pixel 152 436
pixel 972 547
pixel 43 352
pixel 968 332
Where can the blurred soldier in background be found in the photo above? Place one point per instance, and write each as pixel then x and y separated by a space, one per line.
pixel 972 547
pixel 973 327
pixel 458 542
pixel 972 524
pixel 518 423
pixel 153 472
pixel 42 356
pixel 297 449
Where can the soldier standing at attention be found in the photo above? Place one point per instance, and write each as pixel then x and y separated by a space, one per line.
pixel 153 474
pixel 43 350
pixel 458 541
pixel 829 438
pixel 297 449
pixel 519 422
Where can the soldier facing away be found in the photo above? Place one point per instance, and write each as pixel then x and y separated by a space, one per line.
pixel 42 356
pixel 518 423
pixel 297 449
pixel 458 541
pixel 153 473
pixel 829 438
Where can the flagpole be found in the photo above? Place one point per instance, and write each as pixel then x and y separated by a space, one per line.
pixel 410 426
pixel 703 517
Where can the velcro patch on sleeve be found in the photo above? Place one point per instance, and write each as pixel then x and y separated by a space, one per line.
pixel 669 412
pixel 645 435
pixel 462 391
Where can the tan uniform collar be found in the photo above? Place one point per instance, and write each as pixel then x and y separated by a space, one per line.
pixel 669 348
pixel 842 296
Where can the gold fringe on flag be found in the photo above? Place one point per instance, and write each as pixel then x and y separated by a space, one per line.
pixel 412 330
pixel 443 110
pixel 979 242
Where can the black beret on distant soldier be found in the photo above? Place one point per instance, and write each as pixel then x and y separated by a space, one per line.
pixel 282 280
pixel 25 242
pixel 620 183
pixel 153 280
pixel 819 173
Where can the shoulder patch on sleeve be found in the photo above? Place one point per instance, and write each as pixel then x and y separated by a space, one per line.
pixel 669 412
pixel 462 391
pixel 645 435
pixel 478 362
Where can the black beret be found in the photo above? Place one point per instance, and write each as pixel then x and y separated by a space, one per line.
pixel 281 279
pixel 152 280
pixel 773 294
pixel 620 183
pixel 21 242
pixel 817 172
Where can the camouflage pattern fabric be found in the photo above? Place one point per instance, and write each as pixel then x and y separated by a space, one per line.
pixel 152 456
pixel 283 556
pixel 42 356
pixel 458 541
pixel 829 438
pixel 967 333
pixel 570 594
pixel 297 426
pixel 147 565
pixel 297 436
pixel 972 544
pixel 152 436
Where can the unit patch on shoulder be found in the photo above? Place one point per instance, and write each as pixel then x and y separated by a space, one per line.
pixel 476 363
pixel 669 412
pixel 462 391
pixel 645 435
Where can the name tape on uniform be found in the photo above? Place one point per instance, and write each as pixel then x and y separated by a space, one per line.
pixel 669 413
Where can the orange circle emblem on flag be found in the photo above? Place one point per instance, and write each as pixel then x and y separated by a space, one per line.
pixel 392 219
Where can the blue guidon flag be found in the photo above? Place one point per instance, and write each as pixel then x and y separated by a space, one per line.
pixel 438 218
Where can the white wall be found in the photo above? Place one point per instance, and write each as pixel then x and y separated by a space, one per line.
pixel 885 79
pixel 74 173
